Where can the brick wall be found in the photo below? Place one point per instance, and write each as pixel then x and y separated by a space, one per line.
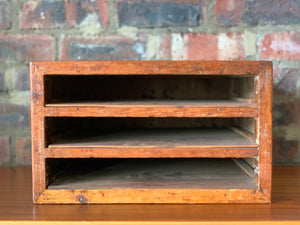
pixel 147 30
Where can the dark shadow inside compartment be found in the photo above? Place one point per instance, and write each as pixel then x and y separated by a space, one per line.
pixel 60 89
pixel 150 131
pixel 159 173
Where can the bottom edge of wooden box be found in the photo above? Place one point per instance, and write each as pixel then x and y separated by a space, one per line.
pixel 160 196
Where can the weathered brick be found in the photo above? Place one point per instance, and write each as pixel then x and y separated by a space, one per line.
pixel 284 150
pixel 25 48
pixel 201 46
pixel 3 87
pixel 106 47
pixel 92 11
pixel 14 116
pixel 42 14
pixel 147 14
pixel 230 13
pixel 280 46
pixel 21 79
pixel 286 114
pixel 63 14
pixel 231 46
pixel 285 81
pixel 164 48
pixel 23 149
pixel 5 22
pixel 253 12
pixel 4 150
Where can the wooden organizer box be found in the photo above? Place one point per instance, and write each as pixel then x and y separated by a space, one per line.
pixel 151 132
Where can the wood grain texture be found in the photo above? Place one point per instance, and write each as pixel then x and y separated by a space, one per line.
pixel 157 108
pixel 245 103
pixel 175 196
pixel 151 152
pixel 265 130
pixel 37 134
pixel 16 206
pixel 153 67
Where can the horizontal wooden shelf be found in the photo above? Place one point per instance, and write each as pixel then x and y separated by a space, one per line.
pixel 153 174
pixel 156 108
pixel 220 142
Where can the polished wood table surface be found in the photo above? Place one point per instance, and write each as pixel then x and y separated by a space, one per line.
pixel 16 206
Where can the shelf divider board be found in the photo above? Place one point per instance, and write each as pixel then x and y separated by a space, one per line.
pixel 157 108
pixel 232 103
pixel 157 143
pixel 150 152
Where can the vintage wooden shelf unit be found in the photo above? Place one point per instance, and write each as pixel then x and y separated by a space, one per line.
pixel 151 132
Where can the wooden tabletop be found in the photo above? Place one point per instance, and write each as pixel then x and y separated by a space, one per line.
pixel 16 206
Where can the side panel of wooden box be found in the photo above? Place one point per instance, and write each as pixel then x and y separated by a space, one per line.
pixel 37 131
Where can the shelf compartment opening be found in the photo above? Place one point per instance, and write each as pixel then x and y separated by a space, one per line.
pixel 66 90
pixel 150 137
pixel 148 174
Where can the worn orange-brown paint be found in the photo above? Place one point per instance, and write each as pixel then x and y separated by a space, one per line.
pixel 261 110
pixel 151 152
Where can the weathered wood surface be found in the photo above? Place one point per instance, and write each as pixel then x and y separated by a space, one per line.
pixel 257 107
pixel 151 152
pixel 237 68
pixel 158 108
pixel 265 130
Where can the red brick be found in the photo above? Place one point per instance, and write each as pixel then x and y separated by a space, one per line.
pixel 25 48
pixel 4 150
pixel 253 12
pixel 280 46
pixel 153 13
pixel 14 116
pixel 231 46
pixel 285 81
pixel 103 9
pixel 286 114
pixel 63 14
pixel 23 148
pixel 284 150
pixel 201 46
pixel 230 13
pixel 21 79
pixel 164 51
pixel 5 22
pixel 105 47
